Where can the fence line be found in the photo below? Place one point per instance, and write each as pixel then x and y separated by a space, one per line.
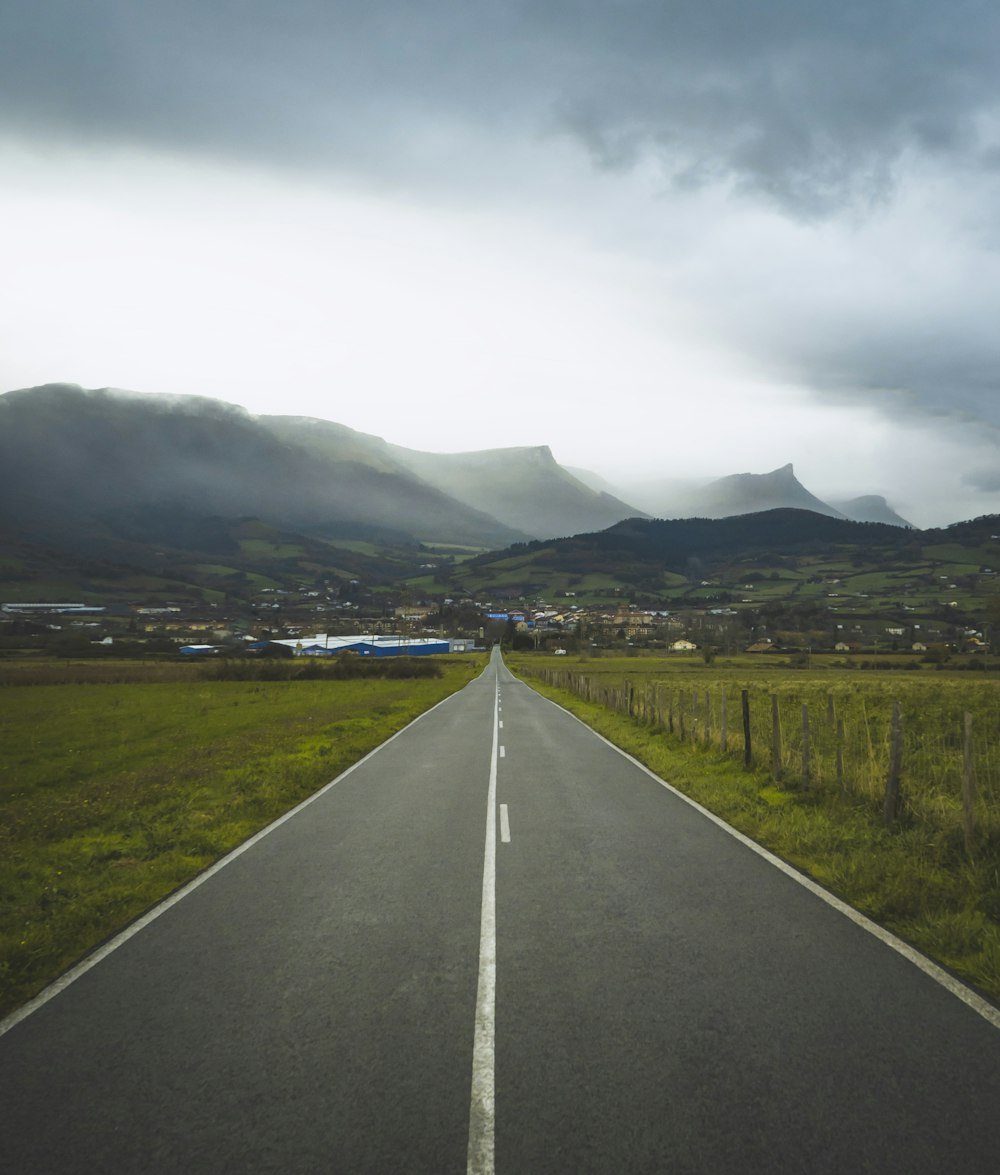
pixel 944 769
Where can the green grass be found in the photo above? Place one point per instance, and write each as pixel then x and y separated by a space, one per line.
pixel 46 590
pixel 215 569
pixel 594 581
pixel 954 555
pixel 359 546
pixel 915 876
pixel 112 795
pixel 266 549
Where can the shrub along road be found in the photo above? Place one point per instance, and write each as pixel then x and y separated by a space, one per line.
pixel 663 998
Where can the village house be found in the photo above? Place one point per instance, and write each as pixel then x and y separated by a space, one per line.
pixel 764 646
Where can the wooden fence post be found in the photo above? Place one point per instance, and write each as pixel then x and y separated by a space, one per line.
pixel 723 731
pixel 805 744
pixel 680 715
pixel 670 710
pixel 891 810
pixel 745 705
pixel 840 754
pixel 708 718
pixel 968 787
pixel 775 739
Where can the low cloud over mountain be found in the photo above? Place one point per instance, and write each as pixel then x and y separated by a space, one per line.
pixel 751 493
pixel 76 463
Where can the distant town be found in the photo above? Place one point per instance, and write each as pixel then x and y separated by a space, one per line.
pixel 306 622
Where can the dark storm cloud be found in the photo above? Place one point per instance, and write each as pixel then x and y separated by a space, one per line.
pixel 820 110
pixel 905 369
pixel 985 480
pixel 807 103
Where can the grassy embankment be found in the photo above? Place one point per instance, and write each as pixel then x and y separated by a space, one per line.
pixel 118 783
pixel 917 876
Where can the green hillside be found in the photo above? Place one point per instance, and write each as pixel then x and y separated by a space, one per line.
pixel 830 570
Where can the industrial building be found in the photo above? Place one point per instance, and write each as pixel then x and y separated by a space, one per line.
pixel 369 645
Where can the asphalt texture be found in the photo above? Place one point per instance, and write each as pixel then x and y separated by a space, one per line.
pixel 666 999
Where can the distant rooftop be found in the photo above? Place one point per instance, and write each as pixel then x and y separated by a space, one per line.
pixel 323 640
pixel 44 607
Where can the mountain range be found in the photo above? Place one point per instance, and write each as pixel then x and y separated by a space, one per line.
pixel 752 493
pixel 105 471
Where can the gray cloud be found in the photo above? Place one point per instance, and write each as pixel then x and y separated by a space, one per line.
pixel 985 480
pixel 809 104
pixel 816 112
pixel 906 369
pixel 803 102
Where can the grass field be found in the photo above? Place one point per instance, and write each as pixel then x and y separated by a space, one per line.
pixel 121 783
pixel 918 875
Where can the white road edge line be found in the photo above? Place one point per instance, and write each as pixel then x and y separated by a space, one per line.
pixel 504 825
pixel 482 1109
pixel 144 920
pixel 911 954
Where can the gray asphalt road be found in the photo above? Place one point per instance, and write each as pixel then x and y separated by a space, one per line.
pixel 665 999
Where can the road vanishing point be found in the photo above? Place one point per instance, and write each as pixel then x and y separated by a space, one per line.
pixel 499 944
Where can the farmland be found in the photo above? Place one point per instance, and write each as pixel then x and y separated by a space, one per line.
pixel 786 571
pixel 118 783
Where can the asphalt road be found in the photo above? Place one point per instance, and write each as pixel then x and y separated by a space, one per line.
pixel 663 998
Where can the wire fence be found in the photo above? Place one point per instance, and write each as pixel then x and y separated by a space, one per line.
pixel 929 752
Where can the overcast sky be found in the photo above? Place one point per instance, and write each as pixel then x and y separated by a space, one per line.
pixel 665 238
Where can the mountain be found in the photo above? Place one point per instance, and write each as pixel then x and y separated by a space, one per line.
pixel 158 481
pixel 871 508
pixel 751 493
pixel 80 465
pixel 525 488
pixel 595 482
pixel 748 493
pixel 653 555
pixel 335 442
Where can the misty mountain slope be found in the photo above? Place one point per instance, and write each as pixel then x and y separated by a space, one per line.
pixel 739 493
pixel 597 483
pixel 336 444
pixel 72 459
pixel 525 488
pixel 871 508
pixel 747 493
pixel 752 493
